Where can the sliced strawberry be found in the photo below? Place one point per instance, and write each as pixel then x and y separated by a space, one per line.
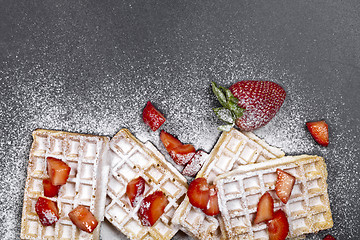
pixel 58 171
pixel 152 207
pixel 83 218
pixel 199 193
pixel 265 209
pixel 182 154
pixel 152 117
pixel 212 207
pixel 49 189
pixel 329 237
pixel 135 189
pixel 284 185
pixel 319 131
pixel 170 142
pixel 195 163
pixel 278 227
pixel 47 211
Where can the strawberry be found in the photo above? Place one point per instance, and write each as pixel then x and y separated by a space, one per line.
pixel 212 207
pixel 152 207
pixel 58 171
pixel 49 189
pixel 265 208
pixel 248 104
pixel 83 218
pixel 278 227
pixel 152 117
pixel 170 142
pixel 195 163
pixel 135 190
pixel 284 185
pixel 319 131
pixel 199 193
pixel 47 211
pixel 329 237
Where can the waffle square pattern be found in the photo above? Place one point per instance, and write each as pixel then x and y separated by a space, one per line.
pixel 131 159
pixel 232 150
pixel 86 185
pixel 308 209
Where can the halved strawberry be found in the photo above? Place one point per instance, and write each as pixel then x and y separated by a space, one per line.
pixel 152 207
pixel 58 171
pixel 199 193
pixel 319 131
pixel 284 185
pixel 83 218
pixel 265 209
pixel 195 163
pixel 170 142
pixel 135 189
pixel 182 154
pixel 212 207
pixel 248 104
pixel 49 189
pixel 47 211
pixel 278 227
pixel 329 237
pixel 152 117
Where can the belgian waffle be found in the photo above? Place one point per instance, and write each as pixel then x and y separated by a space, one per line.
pixel 232 150
pixel 130 159
pixel 308 209
pixel 86 185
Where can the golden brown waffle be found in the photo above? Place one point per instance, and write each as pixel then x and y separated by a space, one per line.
pixel 308 209
pixel 232 150
pixel 131 159
pixel 86 185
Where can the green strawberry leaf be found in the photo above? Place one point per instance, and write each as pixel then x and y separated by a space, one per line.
pixel 225 128
pixel 235 109
pixel 219 94
pixel 224 114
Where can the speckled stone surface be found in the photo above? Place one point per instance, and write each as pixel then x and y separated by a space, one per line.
pixel 90 67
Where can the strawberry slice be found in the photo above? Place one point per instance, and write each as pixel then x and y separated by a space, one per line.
pixel 152 117
pixel 135 189
pixel 152 207
pixel 248 104
pixel 319 131
pixel 83 218
pixel 329 237
pixel 284 185
pixel 49 189
pixel 58 171
pixel 265 209
pixel 278 227
pixel 212 207
pixel 182 154
pixel 195 163
pixel 47 211
pixel 170 142
pixel 199 193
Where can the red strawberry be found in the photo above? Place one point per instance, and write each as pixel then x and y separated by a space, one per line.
pixel 182 154
pixel 265 208
pixel 249 104
pixel 170 142
pixel 278 227
pixel 212 207
pixel 47 211
pixel 199 193
pixel 58 171
pixel 152 207
pixel 319 131
pixel 152 117
pixel 49 189
pixel 135 190
pixel 195 163
pixel 83 219
pixel 329 237
pixel 284 185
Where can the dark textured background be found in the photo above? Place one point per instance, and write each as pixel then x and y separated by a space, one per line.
pixel 90 67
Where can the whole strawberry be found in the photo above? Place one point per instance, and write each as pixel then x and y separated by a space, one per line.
pixel 248 104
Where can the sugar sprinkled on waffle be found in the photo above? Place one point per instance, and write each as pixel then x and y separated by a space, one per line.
pixel 131 159
pixel 308 209
pixel 232 150
pixel 86 185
